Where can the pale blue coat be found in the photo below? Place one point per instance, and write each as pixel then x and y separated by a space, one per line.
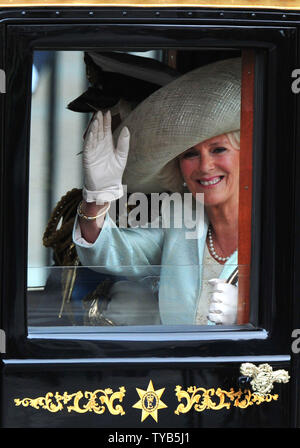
pixel 163 253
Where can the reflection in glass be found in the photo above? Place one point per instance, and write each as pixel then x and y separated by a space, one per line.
pixel 80 296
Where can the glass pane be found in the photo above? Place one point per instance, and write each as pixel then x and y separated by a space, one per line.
pixel 100 296
pixel 163 249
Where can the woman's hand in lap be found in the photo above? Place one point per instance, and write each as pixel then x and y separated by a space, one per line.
pixel 223 302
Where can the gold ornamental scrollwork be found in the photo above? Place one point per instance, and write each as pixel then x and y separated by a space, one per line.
pixel 97 401
pixel 202 399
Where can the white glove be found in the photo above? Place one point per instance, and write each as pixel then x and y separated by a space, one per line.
pixel 103 164
pixel 223 302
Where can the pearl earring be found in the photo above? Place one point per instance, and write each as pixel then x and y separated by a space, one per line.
pixel 184 184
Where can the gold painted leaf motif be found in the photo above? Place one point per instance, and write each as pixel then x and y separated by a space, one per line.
pixel 82 402
pixel 202 399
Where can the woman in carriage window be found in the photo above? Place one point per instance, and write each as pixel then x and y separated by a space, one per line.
pixel 182 138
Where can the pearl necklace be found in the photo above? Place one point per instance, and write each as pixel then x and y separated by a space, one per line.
pixel 212 249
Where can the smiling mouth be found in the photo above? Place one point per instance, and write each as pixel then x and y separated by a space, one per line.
pixel 207 183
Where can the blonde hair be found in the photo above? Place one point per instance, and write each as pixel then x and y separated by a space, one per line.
pixel 234 138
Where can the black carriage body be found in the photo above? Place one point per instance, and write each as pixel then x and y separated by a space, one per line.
pixel 193 367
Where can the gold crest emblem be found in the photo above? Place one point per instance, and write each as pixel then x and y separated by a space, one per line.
pixel 150 401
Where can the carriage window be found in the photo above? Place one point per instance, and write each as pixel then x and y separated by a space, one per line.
pixel 140 189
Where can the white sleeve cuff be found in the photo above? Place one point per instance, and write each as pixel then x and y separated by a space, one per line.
pixel 78 238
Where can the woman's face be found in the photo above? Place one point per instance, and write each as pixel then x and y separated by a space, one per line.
pixel 212 168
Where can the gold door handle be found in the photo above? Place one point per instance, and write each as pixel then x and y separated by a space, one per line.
pixel 263 377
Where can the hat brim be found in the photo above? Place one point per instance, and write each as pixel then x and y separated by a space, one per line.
pixel 197 106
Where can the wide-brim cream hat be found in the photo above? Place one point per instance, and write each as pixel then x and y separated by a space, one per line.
pixel 198 105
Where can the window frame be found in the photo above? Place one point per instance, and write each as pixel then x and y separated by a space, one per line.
pixel 278 43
